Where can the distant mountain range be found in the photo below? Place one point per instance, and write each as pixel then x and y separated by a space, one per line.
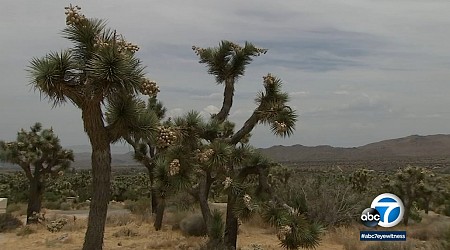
pixel 414 146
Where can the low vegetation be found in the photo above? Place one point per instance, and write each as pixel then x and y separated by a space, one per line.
pixel 337 208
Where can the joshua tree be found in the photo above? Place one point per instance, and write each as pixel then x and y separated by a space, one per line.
pixel 411 184
pixel 40 155
pixel 100 68
pixel 227 159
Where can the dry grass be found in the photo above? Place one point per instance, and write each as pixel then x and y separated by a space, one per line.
pixel 120 227
pixel 126 231
pixel 433 233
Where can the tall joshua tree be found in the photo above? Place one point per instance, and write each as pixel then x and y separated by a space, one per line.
pixel 100 68
pixel 40 155
pixel 230 161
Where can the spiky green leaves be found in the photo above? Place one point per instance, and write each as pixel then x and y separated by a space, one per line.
pixel 88 71
pixel 228 60
pixel 298 233
pixel 113 72
pixel 85 37
pixel 48 75
pixel 128 116
pixel 273 107
pixel 293 229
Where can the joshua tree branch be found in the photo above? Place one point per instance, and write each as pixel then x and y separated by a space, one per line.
pixel 246 128
pixel 227 101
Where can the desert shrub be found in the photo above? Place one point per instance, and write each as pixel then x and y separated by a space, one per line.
pixel 74 224
pixel 66 206
pixel 56 225
pixel 175 218
pixel 181 202
pixel 9 222
pixel 55 242
pixel 444 209
pixel 326 198
pixel 17 208
pixel 119 219
pixel 193 225
pixel 140 207
pixel 253 247
pixel 81 205
pixel 217 229
pixel 54 205
pixel 391 245
pixel 431 230
pixel 126 232
pixel 25 230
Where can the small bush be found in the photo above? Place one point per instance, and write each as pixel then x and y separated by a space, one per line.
pixel 126 232
pixel 253 247
pixel 74 224
pixel 56 225
pixel 139 207
pixel 66 206
pixel 81 205
pixel 53 205
pixel 193 225
pixel 119 220
pixel 25 230
pixel 411 244
pixel 9 222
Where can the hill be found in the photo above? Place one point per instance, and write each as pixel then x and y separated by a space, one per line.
pixel 410 147
pixel 414 146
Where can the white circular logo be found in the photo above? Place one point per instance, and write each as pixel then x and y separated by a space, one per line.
pixel 390 207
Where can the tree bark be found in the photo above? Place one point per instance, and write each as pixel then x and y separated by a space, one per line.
pixel 406 215
pixel 227 101
pixel 150 168
pixel 205 186
pixel 101 176
pixel 34 200
pixel 153 193
pixel 248 126
pixel 160 213
pixel 231 226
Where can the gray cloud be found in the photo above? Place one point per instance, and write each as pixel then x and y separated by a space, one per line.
pixel 328 54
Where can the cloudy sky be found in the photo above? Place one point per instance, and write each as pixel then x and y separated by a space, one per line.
pixel 358 71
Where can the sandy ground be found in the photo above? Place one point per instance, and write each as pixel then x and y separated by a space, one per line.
pixel 72 236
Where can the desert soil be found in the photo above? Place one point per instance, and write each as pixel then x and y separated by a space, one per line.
pixel 71 237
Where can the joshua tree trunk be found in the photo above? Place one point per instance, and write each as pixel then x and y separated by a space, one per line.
pixel 408 206
pixel 227 100
pixel 205 186
pixel 231 226
pixel 160 213
pixel 101 176
pixel 35 200
pixel 153 193
pixel 427 204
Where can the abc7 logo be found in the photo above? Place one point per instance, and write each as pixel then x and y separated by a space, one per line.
pixel 386 210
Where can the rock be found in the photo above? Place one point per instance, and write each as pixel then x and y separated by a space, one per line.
pixel 193 225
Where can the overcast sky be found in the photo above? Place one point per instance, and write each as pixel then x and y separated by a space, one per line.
pixel 358 71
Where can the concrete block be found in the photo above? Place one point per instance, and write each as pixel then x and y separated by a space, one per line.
pixel 3 204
